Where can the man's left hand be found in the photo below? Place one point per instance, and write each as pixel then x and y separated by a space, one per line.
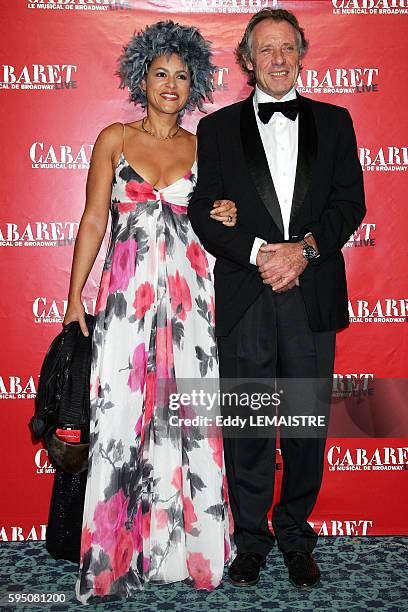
pixel 285 264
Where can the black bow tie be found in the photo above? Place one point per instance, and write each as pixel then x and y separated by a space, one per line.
pixel 266 109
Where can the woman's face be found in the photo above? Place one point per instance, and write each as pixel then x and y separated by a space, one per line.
pixel 167 84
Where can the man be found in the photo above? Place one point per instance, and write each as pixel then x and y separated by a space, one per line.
pixel 290 164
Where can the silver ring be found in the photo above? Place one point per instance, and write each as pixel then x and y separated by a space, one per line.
pixel 229 219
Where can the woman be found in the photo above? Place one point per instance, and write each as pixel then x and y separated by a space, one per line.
pixel 156 505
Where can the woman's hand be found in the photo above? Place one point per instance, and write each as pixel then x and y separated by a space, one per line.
pixel 76 312
pixel 224 211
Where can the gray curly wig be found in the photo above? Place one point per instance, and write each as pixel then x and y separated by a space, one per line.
pixel 166 38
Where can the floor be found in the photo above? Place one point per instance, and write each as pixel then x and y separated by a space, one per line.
pixel 358 574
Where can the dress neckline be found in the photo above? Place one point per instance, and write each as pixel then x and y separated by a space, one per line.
pixel 148 182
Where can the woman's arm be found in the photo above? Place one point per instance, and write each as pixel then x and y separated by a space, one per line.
pixel 94 220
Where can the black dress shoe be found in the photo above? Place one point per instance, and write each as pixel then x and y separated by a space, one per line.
pixel 244 570
pixel 303 569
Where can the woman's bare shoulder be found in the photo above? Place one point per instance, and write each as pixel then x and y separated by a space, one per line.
pixel 111 135
pixel 109 140
pixel 190 138
pixel 189 135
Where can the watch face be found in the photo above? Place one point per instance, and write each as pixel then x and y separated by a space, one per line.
pixel 309 253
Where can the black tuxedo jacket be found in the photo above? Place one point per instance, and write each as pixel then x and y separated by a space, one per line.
pixel 328 200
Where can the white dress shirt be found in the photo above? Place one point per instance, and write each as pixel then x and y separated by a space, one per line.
pixel 280 142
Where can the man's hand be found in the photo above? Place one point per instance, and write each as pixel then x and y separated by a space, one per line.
pixel 281 264
pixel 290 285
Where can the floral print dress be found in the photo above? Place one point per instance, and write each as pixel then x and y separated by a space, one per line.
pixel 156 502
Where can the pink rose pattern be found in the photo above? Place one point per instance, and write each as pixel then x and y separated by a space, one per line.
pixel 180 296
pixel 137 374
pixel 123 265
pixel 153 497
pixel 200 570
pixel 197 258
pixel 144 298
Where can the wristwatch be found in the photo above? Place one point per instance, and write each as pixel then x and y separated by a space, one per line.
pixel 309 252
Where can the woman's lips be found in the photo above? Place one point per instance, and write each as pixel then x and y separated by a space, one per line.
pixel 169 96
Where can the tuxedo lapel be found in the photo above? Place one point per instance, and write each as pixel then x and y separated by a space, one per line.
pixel 307 151
pixel 257 162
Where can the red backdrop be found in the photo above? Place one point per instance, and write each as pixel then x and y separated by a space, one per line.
pixel 58 91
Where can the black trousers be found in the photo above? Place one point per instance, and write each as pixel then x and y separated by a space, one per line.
pixel 273 339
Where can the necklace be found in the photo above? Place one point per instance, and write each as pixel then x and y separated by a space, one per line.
pixel 154 135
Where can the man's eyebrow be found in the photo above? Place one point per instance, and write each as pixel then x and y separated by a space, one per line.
pixel 271 44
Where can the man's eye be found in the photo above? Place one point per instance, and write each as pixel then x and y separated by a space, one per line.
pixel 289 49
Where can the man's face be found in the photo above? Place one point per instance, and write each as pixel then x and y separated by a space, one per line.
pixel 274 57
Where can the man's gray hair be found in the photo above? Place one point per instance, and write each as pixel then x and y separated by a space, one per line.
pixel 243 49
pixel 166 38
